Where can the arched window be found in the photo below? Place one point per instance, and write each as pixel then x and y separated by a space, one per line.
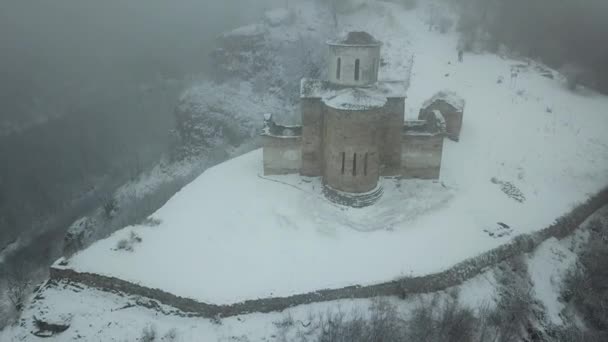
pixel 338 67
pixel 343 161
pixel 365 164
pixel 354 164
pixel 356 69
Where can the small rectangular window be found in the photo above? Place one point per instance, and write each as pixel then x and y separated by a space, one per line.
pixel 375 67
pixel 365 164
pixel 354 164
pixel 356 69
pixel 343 160
pixel 338 68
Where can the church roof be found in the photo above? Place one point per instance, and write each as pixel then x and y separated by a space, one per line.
pixel 447 96
pixel 356 38
pixel 314 88
pixel 355 99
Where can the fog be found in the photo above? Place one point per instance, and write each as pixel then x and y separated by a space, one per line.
pixel 87 92
pixel 58 53
pixel 89 88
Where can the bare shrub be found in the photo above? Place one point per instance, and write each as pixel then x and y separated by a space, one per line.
pixel 170 335
pixel 286 322
pixel 515 306
pixel 435 320
pixel 577 75
pixel 217 319
pixel 151 222
pixel 571 333
pixel 8 314
pixel 125 245
pixel 110 208
pixel 148 334
pixel 134 238
pixel 585 286
pixel 444 320
pixel 385 323
pixel 382 322
pixel 17 285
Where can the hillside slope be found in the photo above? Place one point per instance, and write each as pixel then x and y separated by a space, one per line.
pixel 528 152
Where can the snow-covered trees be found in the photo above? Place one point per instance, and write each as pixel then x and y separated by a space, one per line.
pixel 557 32
pixel 586 286
pixel 577 75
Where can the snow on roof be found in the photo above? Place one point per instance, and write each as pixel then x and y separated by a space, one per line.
pixel 314 88
pixel 448 96
pixel 440 121
pixel 419 127
pixel 271 129
pixel 356 38
pixel 355 99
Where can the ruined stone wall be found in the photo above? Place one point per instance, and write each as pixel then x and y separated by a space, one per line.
pixel 351 157
pixel 312 128
pixel 282 155
pixel 454 276
pixel 421 155
pixel 453 117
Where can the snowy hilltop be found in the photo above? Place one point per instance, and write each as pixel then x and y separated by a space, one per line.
pixel 530 151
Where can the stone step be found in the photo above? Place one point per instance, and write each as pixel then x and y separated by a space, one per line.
pixel 352 199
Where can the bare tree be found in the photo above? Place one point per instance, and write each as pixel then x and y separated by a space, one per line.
pixel 17 285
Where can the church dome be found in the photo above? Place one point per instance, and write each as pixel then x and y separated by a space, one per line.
pixel 355 99
pixel 354 59
pixel 356 38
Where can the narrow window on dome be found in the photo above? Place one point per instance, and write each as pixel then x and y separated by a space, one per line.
pixel 355 164
pixel 375 67
pixel 365 164
pixel 338 67
pixel 343 157
pixel 356 69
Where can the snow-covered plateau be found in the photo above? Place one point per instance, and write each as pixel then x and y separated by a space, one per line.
pixel 529 151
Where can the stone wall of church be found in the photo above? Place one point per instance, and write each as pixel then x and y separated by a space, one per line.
pixel 282 155
pixel 351 156
pixel 390 145
pixel 312 136
pixel 421 155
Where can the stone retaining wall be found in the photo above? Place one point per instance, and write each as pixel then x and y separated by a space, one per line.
pixel 421 155
pixel 456 275
pixel 281 155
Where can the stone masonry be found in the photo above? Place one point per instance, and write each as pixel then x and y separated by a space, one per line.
pixel 353 130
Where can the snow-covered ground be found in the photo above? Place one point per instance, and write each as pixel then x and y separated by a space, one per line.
pixel 95 315
pixel 529 150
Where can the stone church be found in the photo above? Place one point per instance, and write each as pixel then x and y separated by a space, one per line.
pixel 353 130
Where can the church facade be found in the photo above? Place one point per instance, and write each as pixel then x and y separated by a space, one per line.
pixel 353 130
